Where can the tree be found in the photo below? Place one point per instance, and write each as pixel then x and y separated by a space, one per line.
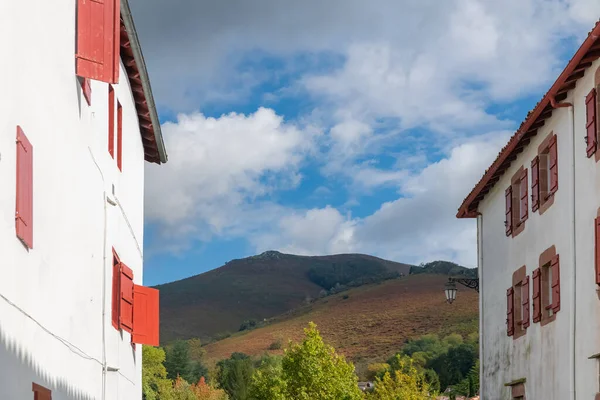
pixel 234 375
pixel 203 391
pixel 155 384
pixel 406 383
pixel 309 371
pixel 178 360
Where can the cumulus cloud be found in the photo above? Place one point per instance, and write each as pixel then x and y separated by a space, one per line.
pixel 218 166
pixel 413 80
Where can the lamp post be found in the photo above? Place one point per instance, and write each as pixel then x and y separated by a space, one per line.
pixel 450 287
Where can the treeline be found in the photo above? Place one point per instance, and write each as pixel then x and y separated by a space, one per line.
pixel 444 268
pixel 313 370
pixel 350 274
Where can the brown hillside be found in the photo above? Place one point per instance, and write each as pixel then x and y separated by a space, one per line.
pixel 372 323
pixel 256 287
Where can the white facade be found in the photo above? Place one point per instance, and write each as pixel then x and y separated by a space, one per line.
pixel 55 299
pixel 555 360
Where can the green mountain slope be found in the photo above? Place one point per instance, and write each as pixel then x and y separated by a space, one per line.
pixel 259 287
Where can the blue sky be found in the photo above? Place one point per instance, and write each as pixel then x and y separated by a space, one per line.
pixel 316 128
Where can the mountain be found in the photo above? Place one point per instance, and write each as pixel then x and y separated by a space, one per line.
pixel 260 287
pixel 368 323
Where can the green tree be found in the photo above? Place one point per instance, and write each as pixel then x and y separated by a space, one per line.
pixel 406 383
pixel 234 375
pixel 155 384
pixel 178 360
pixel 309 371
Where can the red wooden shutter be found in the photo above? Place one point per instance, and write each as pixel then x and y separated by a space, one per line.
pixel 86 85
pixel 116 292
pixel 597 248
pixel 145 316
pixel 98 38
pixel 510 314
pixel 126 306
pixel 525 301
pixel 553 153
pixel 119 136
pixel 508 221
pixel 555 265
pixel 523 206
pixel 24 200
pixel 40 392
pixel 535 184
pixel 537 295
pixel 590 126
pixel 111 121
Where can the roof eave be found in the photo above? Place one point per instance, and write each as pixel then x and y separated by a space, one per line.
pixel 143 76
pixel 465 210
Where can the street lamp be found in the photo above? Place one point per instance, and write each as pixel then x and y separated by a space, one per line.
pixel 450 287
pixel 450 290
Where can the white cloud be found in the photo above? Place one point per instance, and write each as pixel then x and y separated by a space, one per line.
pixel 420 226
pixel 218 166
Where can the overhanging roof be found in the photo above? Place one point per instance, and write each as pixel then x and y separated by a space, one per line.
pixel 133 60
pixel 575 69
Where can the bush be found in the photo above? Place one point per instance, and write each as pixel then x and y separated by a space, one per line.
pixel 276 345
pixel 248 324
pixel 345 297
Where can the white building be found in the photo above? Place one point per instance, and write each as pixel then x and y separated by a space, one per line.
pixel 77 121
pixel 537 209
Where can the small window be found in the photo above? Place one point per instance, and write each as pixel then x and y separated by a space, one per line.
pixel 517 203
pixel 549 285
pixel 518 304
pixel 518 391
pixel 545 175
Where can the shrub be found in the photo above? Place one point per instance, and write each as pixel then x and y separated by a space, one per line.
pixel 276 345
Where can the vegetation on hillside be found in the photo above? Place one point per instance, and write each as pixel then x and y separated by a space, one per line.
pixel 445 268
pixel 313 370
pixel 352 273
pixel 258 287
pixel 371 324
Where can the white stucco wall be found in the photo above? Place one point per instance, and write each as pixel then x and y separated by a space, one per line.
pixel 59 282
pixel 542 355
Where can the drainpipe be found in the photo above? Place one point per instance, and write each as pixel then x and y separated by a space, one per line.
pixel 573 307
pixel 480 276
pixel 105 200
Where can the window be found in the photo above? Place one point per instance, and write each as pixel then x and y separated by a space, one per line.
pixel 40 392
pixel 134 308
pixel 24 200
pixel 546 287
pixel 518 304
pixel 517 389
pixel 119 136
pixel 544 175
pixel 516 198
pixel 98 39
pixel 590 125
pixel 111 121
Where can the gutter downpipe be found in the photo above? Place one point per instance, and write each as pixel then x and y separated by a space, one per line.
pixel 573 307
pixel 105 200
pixel 480 276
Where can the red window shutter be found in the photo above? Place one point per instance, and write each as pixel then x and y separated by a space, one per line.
pixel 116 292
pixel 98 38
pixel 40 392
pixel 24 200
pixel 523 193
pixel 145 316
pixel 126 306
pixel 597 249
pixel 86 86
pixel 537 295
pixel 553 152
pixel 525 301
pixel 535 184
pixel 590 126
pixel 508 221
pixel 555 265
pixel 510 314
pixel 111 121
pixel 119 136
